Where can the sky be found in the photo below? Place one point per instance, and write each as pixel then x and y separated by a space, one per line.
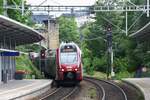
pixel 61 2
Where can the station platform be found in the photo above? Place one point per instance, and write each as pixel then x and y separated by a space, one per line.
pixel 141 83
pixel 24 89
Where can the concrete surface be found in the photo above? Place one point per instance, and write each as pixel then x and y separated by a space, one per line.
pixel 23 89
pixel 143 84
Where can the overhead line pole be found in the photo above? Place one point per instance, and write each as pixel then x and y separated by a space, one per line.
pixel 49 32
pixel 126 22
pixel 5 8
pixel 22 8
pixel 147 8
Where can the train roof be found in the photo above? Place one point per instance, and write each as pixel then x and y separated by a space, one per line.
pixel 70 43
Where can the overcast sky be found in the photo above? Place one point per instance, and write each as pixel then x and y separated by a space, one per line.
pixel 61 2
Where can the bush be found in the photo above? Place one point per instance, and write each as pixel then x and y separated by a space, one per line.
pixel 123 74
pixel 23 63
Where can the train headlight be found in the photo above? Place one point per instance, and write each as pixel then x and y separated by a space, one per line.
pixel 76 69
pixel 62 70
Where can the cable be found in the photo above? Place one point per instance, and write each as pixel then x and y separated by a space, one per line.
pixel 132 3
pixel 113 24
pixel 36 7
pixel 15 4
pixel 56 2
pixel 135 21
pixel 96 39
pixel 42 3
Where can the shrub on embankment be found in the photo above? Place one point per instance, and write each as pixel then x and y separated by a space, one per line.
pixel 24 63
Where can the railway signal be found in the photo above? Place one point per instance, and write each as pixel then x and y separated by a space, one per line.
pixel 110 51
pixel 42 54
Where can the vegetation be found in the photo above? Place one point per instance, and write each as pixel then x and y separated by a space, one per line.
pixel 128 54
pixel 16 15
pixel 92 93
pixel 68 29
pixel 24 63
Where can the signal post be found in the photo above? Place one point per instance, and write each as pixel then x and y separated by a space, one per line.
pixel 110 69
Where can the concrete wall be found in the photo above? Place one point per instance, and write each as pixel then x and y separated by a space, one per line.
pixel 54 35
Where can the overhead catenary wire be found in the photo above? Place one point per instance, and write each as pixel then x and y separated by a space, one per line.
pixel 135 21
pixel 90 39
pixel 42 2
pixel 132 3
pixel 56 2
pixel 113 24
pixel 36 7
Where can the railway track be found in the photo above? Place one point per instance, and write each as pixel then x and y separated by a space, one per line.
pixel 107 90
pixel 61 93
pixel 99 88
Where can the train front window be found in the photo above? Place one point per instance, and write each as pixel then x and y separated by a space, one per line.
pixel 68 58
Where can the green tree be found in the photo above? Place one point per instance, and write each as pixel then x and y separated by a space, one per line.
pixel 68 29
pixel 16 14
pixel 127 54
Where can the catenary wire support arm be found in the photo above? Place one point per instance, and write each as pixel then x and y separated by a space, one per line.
pixel 137 18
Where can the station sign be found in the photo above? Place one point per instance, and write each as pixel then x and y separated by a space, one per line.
pixel 6 53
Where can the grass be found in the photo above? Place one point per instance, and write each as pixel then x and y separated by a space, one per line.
pixel 92 93
pixel 98 75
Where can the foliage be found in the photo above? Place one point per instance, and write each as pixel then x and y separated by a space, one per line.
pixel 124 74
pixel 24 63
pixel 127 53
pixel 98 75
pixel 68 29
pixel 1 3
pixel 29 47
pixel 16 14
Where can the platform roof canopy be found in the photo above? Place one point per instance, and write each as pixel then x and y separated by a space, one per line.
pixel 143 34
pixel 13 32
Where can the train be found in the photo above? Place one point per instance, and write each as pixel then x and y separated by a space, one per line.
pixel 69 63
pixel 63 64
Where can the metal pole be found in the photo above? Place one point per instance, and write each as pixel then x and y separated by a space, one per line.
pixel 22 8
pixel 126 23
pixel 5 8
pixel 147 8
pixel 110 53
pixel 112 67
pixel 40 59
pixel 107 62
pixel 14 61
pixel 48 31
pixel 10 60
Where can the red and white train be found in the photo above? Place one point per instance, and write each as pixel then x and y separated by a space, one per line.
pixel 69 64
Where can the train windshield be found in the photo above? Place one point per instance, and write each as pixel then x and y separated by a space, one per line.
pixel 68 58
